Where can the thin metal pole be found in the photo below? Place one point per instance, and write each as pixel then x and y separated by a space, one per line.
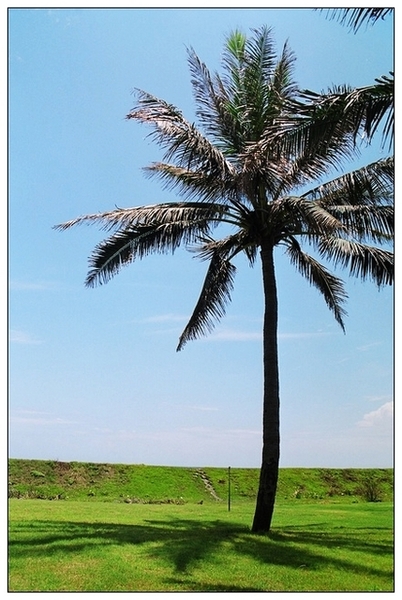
pixel 229 489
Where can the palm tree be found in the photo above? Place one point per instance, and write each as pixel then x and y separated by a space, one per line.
pixel 256 163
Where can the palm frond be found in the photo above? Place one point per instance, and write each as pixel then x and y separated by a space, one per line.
pixel 260 58
pixel 251 98
pixel 296 216
pixel 331 287
pixel 366 223
pixel 233 58
pixel 363 261
pixel 181 140
pixel 258 77
pixel 268 100
pixel 283 84
pixel 191 185
pixel 228 247
pixel 362 200
pixel 110 255
pixel 179 212
pixel 158 228
pixel 372 105
pixel 361 109
pixel 211 305
pixel 136 242
pixel 356 17
pixel 108 220
pixel 211 99
pixel 371 184
pixel 310 139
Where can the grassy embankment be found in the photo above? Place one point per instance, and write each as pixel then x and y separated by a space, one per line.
pixel 152 484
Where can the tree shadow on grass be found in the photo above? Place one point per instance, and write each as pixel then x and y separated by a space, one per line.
pixel 183 543
pixel 300 548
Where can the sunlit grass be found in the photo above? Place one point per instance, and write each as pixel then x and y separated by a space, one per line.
pixel 81 546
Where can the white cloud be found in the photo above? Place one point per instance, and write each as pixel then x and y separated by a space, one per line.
pixel 381 417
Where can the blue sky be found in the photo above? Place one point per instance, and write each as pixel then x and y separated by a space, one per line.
pixel 93 373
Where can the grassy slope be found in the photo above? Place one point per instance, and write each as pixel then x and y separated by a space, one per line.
pixel 153 484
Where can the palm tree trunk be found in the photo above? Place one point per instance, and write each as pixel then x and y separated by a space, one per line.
pixel 270 444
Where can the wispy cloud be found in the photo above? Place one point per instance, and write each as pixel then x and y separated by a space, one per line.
pixel 366 347
pixel 22 337
pixel 384 398
pixel 220 434
pixel 202 408
pixel 57 17
pixel 31 286
pixel 31 417
pixel 238 335
pixel 185 434
pixel 167 318
pixel 227 334
pixel 191 407
pixel 234 335
pixel 302 335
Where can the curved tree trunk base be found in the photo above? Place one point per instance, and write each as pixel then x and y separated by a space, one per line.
pixel 266 498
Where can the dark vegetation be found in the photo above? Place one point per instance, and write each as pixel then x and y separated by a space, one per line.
pixel 55 480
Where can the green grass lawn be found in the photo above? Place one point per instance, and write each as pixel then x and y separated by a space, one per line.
pixel 99 546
